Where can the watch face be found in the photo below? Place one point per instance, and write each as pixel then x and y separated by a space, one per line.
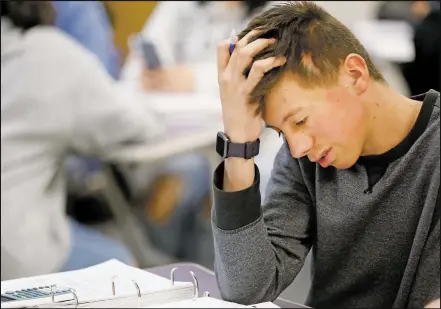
pixel 221 144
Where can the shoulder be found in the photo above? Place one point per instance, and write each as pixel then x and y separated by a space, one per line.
pixel 436 110
pixel 76 7
pixel 54 47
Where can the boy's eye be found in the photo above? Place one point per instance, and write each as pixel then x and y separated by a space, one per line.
pixel 301 121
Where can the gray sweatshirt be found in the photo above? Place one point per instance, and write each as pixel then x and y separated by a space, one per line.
pixel 374 229
pixel 56 99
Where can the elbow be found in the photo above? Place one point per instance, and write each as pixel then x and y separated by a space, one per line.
pixel 249 294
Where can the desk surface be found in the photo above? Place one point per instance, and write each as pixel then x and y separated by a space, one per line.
pixel 168 147
pixel 192 121
pixel 206 280
pixel 387 40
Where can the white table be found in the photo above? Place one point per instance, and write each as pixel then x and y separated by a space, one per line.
pixel 168 147
pixel 389 43
pixel 387 40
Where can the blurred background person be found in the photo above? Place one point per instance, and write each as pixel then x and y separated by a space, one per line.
pixel 185 35
pixel 90 23
pixel 423 72
pixel 47 112
pixel 65 103
pixel 181 189
pixel 409 11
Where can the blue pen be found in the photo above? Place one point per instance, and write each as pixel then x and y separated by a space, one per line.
pixel 232 41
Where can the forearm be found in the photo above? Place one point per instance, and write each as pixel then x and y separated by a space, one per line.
pixel 245 261
pixel 247 270
pixel 254 262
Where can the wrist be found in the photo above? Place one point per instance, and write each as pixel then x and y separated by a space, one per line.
pixel 227 147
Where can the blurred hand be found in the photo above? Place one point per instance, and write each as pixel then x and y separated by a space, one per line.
pixel 178 78
pixel 434 304
pixel 420 9
pixel 240 122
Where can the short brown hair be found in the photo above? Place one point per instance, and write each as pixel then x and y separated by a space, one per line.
pixel 314 42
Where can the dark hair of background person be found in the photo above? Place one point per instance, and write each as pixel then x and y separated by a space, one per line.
pixel 28 14
pixel 314 43
pixel 424 72
pixel 251 5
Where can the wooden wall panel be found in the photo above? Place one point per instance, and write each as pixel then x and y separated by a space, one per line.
pixel 129 18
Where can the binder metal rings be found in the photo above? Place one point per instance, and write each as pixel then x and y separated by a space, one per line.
pixel 138 293
pixel 75 299
pixel 195 283
pixel 172 275
pixel 72 291
pixel 195 286
pixel 138 290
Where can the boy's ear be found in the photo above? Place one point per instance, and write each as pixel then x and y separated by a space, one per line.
pixel 356 69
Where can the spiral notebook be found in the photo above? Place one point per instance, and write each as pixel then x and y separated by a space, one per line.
pixel 113 284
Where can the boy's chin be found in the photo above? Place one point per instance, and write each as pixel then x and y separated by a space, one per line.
pixel 343 165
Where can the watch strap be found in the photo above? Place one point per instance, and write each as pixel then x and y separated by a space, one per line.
pixel 243 150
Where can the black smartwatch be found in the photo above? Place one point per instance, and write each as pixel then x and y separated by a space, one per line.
pixel 227 149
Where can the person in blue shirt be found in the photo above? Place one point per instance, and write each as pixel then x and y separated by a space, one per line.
pixel 89 23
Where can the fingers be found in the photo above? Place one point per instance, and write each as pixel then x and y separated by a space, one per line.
pixel 153 79
pixel 245 55
pixel 260 67
pixel 223 56
pixel 244 41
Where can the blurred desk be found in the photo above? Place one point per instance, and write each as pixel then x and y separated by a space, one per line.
pixel 206 280
pixel 389 44
pixel 169 146
pixel 387 40
pixel 191 121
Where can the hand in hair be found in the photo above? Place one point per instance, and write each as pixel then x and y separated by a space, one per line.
pixel 239 116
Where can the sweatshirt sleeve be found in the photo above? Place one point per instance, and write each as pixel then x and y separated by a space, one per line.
pixel 426 286
pixel 260 250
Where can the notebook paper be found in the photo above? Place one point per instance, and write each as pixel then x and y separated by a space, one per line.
pixel 95 283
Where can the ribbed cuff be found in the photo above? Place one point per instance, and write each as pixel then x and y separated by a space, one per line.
pixel 233 210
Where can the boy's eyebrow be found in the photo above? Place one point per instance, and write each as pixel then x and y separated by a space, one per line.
pixel 289 115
